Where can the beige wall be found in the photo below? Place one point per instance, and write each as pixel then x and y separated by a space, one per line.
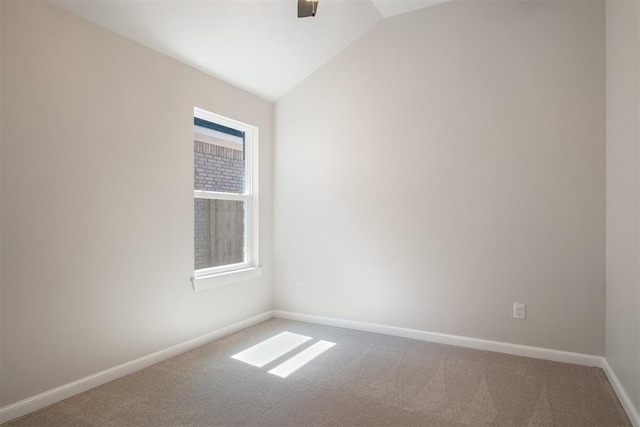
pixel 97 206
pixel 623 194
pixel 447 164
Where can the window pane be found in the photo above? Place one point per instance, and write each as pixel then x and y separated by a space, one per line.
pixel 219 164
pixel 219 232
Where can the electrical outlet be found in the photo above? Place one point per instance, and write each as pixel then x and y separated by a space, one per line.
pixel 298 287
pixel 519 310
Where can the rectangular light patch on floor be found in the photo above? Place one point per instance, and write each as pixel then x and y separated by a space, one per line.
pixel 288 367
pixel 269 350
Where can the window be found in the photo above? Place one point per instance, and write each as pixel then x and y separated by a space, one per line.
pixel 225 200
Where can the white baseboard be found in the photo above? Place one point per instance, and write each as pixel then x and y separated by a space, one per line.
pixel 479 344
pixel 625 400
pixel 23 407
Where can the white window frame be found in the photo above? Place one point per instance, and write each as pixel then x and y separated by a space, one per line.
pixel 249 269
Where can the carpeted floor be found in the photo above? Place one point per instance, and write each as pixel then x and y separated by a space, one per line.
pixel 364 379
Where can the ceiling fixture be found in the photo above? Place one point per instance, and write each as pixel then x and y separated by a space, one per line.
pixel 307 8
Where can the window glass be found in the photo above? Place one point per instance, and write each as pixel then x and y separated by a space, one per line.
pixel 219 164
pixel 219 232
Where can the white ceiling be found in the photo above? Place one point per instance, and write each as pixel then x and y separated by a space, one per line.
pixel 388 8
pixel 258 45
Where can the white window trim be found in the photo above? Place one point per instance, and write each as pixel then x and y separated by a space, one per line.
pixel 212 277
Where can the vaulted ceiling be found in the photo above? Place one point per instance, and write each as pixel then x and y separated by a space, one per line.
pixel 258 45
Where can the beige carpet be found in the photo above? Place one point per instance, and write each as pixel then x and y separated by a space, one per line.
pixel 364 379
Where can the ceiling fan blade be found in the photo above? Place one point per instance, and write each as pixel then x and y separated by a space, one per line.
pixel 307 8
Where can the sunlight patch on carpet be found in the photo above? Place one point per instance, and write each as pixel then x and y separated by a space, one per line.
pixel 269 350
pixel 288 367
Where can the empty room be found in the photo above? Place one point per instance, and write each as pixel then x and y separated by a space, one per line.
pixel 320 213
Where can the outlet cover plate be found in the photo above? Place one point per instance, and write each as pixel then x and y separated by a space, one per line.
pixel 519 310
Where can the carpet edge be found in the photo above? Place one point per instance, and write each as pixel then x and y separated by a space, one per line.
pixel 457 340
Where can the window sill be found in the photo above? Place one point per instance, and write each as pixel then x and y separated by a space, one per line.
pixel 225 278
